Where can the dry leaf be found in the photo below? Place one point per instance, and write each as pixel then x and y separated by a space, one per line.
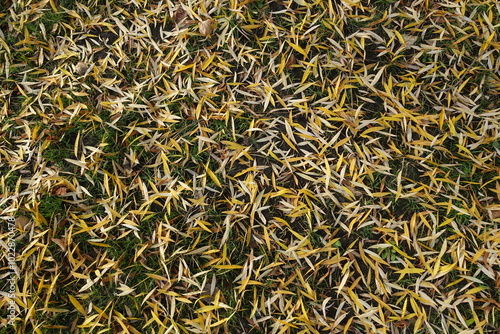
pixel 81 68
pixel 205 27
pixel 291 61
pixel 60 242
pixel 60 191
pixel 369 163
pixel 180 15
pixel 22 222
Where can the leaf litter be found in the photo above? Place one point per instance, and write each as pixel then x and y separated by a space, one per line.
pixel 251 166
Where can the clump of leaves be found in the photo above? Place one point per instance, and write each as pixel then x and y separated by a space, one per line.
pixel 225 166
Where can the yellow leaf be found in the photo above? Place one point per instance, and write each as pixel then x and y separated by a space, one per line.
pixel 252 282
pixel 212 176
pixel 78 275
pixel 157 277
pixel 207 62
pixel 341 142
pixel 227 266
pixel 198 107
pixel 184 300
pixel 298 49
pixel 305 76
pixel 285 138
pixel 410 271
pixel 203 225
pixel 447 268
pixel 487 42
pixel 475 290
pixel 251 26
pixel 207 308
pixel 99 244
pixel 372 129
pixel 355 299
pixel 77 305
pixel 284 292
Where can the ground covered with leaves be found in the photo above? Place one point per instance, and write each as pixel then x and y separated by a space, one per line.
pixel 227 166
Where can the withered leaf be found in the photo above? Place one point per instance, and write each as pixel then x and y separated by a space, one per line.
pixel 205 27
pixel 81 68
pixel 22 222
pixel 180 14
pixel 59 191
pixel 60 242
pixel 291 61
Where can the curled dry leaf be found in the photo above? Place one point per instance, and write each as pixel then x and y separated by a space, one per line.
pixel 291 61
pixel 205 27
pixel 22 222
pixel 493 210
pixel 59 191
pixel 60 242
pixel 180 15
pixel 81 68
pixel 495 214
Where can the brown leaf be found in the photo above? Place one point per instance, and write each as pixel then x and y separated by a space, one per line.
pixel 291 61
pixel 402 323
pixel 22 222
pixel 494 210
pixel 60 242
pixel 59 191
pixel 205 27
pixel 81 68
pixel 180 14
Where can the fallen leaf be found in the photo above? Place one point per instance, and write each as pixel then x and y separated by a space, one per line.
pixel 60 242
pixel 60 191
pixel 22 222
pixel 81 68
pixel 180 14
pixel 205 27
pixel 291 61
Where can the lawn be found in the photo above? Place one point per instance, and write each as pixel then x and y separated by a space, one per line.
pixel 228 166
